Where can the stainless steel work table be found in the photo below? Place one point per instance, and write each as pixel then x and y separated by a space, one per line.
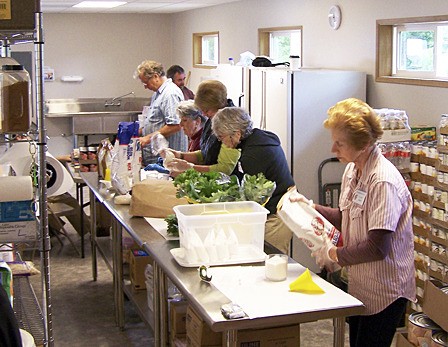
pixel 205 298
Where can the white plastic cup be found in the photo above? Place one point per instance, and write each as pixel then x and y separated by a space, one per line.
pixel 276 267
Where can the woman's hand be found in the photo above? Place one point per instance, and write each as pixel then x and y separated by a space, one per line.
pixel 145 140
pixel 295 196
pixel 168 152
pixel 179 165
pixel 326 256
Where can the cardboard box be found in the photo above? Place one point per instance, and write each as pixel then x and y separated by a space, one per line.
pixel 137 265
pixel 423 133
pixel 16 211
pixel 17 221
pixel 199 333
pixel 402 340
pixel 288 336
pixel 178 318
pixel 18 15
pixel 435 303
pixel 18 231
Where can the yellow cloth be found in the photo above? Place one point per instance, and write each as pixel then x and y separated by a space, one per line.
pixel 305 284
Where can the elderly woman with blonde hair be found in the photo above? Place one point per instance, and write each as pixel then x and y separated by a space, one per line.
pixel 375 219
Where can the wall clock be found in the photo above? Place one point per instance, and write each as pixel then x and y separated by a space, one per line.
pixel 335 17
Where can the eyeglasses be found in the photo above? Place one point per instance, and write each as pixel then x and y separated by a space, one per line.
pixel 145 80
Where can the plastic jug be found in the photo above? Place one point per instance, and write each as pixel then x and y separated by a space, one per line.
pixel 15 94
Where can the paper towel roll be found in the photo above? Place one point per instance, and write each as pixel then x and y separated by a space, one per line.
pixel 60 180
pixel 17 157
pixel 16 188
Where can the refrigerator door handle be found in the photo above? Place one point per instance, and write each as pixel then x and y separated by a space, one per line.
pixel 263 107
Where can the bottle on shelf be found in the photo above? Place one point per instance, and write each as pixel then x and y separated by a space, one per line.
pixel 15 94
pixel 231 61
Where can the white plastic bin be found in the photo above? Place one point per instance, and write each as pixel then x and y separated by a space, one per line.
pixel 245 218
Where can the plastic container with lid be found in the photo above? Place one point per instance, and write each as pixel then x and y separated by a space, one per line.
pixel 15 96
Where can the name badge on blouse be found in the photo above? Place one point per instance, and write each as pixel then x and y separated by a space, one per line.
pixel 359 197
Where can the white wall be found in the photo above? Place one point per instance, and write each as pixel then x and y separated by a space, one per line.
pixel 350 47
pixel 104 49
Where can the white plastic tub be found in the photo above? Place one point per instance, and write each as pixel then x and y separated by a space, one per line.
pixel 236 224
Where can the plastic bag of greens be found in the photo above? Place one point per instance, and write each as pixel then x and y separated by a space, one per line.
pixel 204 187
pixel 257 188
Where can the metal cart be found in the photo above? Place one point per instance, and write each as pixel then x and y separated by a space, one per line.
pixel 328 192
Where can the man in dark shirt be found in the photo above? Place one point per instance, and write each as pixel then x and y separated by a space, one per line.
pixel 177 74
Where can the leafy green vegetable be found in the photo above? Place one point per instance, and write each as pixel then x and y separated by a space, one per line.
pixel 173 228
pixel 204 187
pixel 257 188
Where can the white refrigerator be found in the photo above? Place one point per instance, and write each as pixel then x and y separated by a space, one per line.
pixel 294 104
pixel 236 80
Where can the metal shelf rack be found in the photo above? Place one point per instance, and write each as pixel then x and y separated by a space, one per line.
pixel 23 24
pixel 27 309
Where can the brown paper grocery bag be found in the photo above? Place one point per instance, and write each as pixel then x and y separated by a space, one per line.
pixel 154 198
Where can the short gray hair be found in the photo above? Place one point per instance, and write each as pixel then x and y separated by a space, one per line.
pixel 187 108
pixel 229 120
pixel 149 68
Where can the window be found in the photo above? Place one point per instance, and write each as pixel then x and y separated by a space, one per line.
pixel 280 43
pixel 206 49
pixel 413 51
pixel 421 51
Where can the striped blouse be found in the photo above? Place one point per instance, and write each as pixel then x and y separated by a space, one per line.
pixel 380 199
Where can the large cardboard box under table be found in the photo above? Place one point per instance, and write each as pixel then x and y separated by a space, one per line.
pixel 178 319
pixel 288 336
pixel 435 303
pixel 200 335
pixel 137 265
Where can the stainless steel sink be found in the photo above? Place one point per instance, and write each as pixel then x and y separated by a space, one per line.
pixel 94 106
pixel 95 115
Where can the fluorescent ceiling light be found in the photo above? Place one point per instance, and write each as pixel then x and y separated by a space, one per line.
pixel 99 4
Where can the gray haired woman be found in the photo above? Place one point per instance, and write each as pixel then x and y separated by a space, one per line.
pixel 191 121
pixel 260 152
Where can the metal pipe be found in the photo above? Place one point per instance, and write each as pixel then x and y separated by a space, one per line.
pixel 44 236
pixel 113 103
